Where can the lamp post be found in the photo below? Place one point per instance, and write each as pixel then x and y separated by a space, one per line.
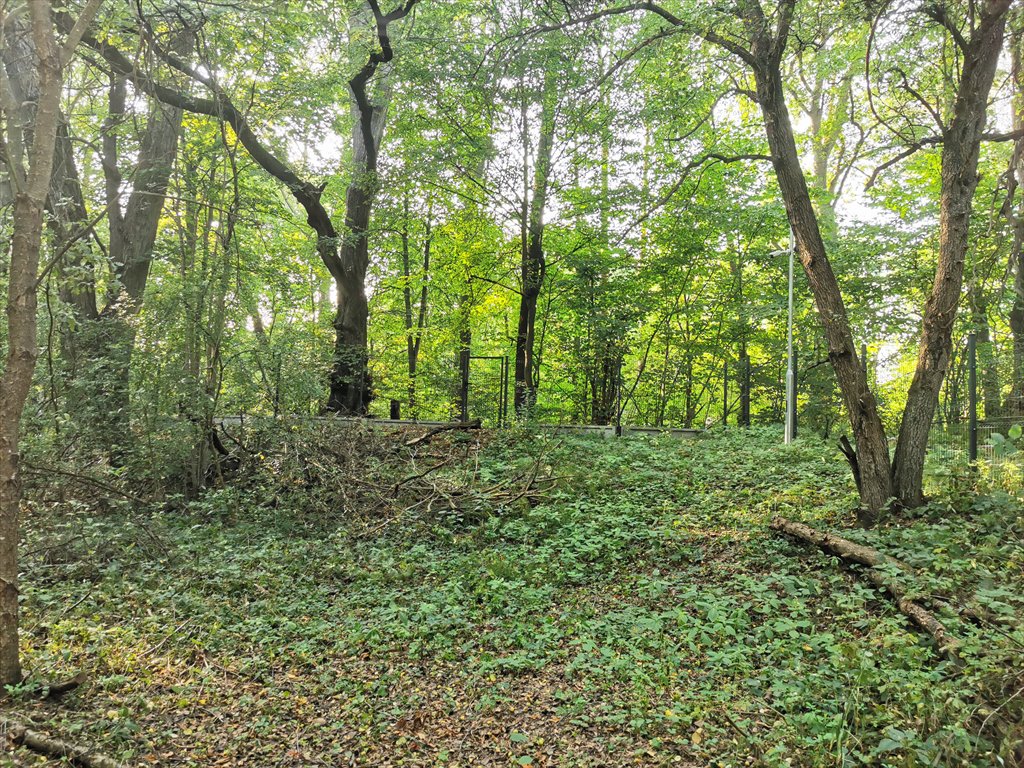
pixel 790 421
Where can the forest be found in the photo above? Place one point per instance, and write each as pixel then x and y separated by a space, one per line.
pixel 514 383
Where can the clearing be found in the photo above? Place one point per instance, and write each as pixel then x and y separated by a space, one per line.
pixel 516 599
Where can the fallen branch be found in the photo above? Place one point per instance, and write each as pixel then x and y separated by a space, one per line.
pixel 875 560
pixel 474 424
pixel 23 736
pixel 58 689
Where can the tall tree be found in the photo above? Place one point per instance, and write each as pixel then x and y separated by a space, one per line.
pixel 961 135
pixel 345 253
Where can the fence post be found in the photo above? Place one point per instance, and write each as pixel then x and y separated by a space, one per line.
pixel 725 394
pixel 744 390
pixel 618 400
pixel 972 398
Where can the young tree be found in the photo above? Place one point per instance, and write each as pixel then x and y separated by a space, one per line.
pixel 27 151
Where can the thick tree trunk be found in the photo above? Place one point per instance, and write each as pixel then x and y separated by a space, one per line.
pixel 533 264
pixel 350 387
pixel 350 377
pixel 106 342
pixel 959 179
pixel 98 345
pixel 865 422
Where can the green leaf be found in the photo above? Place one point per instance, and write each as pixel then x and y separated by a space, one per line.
pixel 888 745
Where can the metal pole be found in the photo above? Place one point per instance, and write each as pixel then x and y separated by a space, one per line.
pixel 972 398
pixel 793 395
pixel 745 390
pixel 618 402
pixel 725 394
pixel 790 373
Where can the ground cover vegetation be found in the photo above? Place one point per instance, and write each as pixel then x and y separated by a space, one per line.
pixel 235 236
pixel 563 601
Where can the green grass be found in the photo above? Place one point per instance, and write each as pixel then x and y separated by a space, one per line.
pixel 640 614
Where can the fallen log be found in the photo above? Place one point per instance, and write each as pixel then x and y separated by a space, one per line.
pixel 22 736
pixel 474 424
pixel 850 551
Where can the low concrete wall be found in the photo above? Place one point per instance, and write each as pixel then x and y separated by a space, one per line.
pixel 582 429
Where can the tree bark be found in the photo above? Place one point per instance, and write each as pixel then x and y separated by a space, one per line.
pixel 1015 211
pixel 872 447
pixel 31 155
pixel 947 644
pixel 533 264
pixel 959 178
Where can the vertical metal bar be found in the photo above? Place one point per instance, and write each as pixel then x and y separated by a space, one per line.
pixel 972 398
pixel 725 393
pixel 504 396
pixel 618 401
pixel 793 395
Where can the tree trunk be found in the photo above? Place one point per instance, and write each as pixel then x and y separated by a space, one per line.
pixel 987 363
pixel 865 422
pixel 350 386
pixel 34 151
pixel 414 325
pixel 1015 210
pixel 533 264
pixel 959 178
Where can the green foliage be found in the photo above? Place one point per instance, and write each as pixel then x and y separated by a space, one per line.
pixel 640 608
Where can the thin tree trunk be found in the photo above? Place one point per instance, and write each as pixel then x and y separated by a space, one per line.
pixel 414 325
pixel 33 150
pixel 1015 210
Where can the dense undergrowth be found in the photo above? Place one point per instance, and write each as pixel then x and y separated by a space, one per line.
pixel 517 599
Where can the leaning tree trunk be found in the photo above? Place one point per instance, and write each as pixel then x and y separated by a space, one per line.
pixel 872 465
pixel 350 391
pixel 959 179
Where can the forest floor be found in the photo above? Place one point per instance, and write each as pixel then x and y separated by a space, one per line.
pixel 516 599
